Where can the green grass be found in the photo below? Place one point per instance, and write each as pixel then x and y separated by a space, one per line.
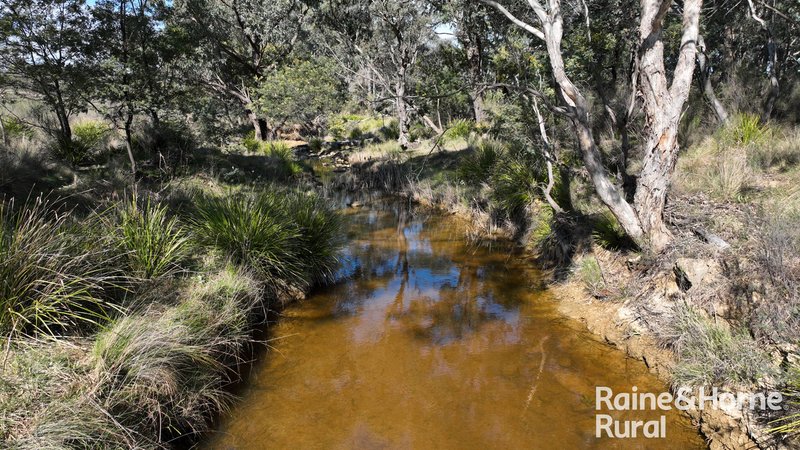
pixel 50 280
pixel 153 244
pixel 285 237
pixel 479 166
pixel 711 353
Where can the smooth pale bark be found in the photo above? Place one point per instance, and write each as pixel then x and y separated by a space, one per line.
pixel 548 158
pixel 578 112
pixel 705 81
pixel 402 111
pixel 663 104
pixel 643 221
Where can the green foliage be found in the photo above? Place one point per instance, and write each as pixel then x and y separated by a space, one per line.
pixel 88 140
pixel 479 166
pixel 789 424
pixel 711 354
pixel 356 134
pixel 743 130
pixel 284 238
pixel 591 275
pixel 321 233
pixel 48 280
pixel 301 92
pixel 153 243
pixel 459 129
pixel 390 131
pixel 315 145
pixel 15 129
pixel 250 142
pixel 609 234
pixel 516 181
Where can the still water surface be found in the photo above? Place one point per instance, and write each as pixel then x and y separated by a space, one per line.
pixel 431 343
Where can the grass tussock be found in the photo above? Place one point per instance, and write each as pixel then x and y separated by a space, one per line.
pixel 152 243
pixel 287 238
pixel 710 353
pixel 51 280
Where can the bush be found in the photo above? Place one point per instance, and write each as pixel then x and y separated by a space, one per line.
pixel 458 129
pixel 49 281
pixel 710 353
pixel 287 239
pixel 478 167
pixel 356 134
pixel 153 243
pixel 89 138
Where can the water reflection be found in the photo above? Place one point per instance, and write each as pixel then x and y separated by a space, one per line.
pixel 430 343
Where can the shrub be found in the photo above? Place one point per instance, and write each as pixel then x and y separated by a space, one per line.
pixel 88 140
pixel 458 129
pixel 153 243
pixel 710 353
pixel 48 279
pixel 321 232
pixel 478 167
pixel 252 230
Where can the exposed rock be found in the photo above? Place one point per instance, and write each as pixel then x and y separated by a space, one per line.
pixel 691 272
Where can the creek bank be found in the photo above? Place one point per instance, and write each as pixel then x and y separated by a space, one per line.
pixel 697 272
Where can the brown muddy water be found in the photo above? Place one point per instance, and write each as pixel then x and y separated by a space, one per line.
pixel 432 343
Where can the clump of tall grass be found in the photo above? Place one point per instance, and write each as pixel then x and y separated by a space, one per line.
pixel 458 129
pixel 609 234
pixel 591 275
pixel 711 353
pixel 152 242
pixel 321 235
pixel 743 130
pixel 479 166
pixel 89 138
pixel 285 238
pixel 49 279
pixel 516 182
pixel 161 372
pixel 790 423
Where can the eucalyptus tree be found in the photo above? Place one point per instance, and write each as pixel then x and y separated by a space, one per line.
pixel 385 38
pixel 662 102
pixel 128 56
pixel 240 42
pixel 42 46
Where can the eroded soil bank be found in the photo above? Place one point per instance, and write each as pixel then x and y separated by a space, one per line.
pixel 430 342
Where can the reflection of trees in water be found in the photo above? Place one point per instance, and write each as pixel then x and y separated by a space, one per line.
pixel 489 284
